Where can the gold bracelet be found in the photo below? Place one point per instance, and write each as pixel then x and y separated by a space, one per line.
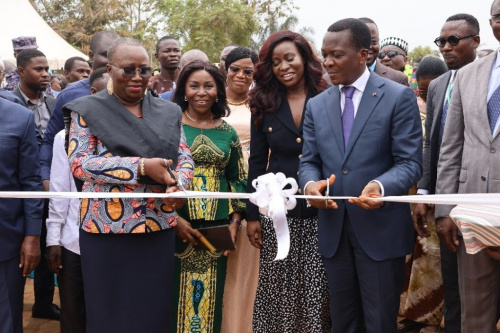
pixel 141 166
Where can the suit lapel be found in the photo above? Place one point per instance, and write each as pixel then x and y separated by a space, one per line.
pixel 371 97
pixel 440 96
pixel 334 115
pixel 284 114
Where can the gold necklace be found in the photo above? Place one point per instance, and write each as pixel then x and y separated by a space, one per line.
pixel 230 102
pixel 197 121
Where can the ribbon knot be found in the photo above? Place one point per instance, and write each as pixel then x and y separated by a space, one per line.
pixel 273 201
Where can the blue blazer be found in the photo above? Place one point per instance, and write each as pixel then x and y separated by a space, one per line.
pixel 385 145
pixel 19 171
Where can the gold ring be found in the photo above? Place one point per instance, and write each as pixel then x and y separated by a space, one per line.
pixel 184 240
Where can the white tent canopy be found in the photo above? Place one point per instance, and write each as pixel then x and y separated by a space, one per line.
pixel 19 18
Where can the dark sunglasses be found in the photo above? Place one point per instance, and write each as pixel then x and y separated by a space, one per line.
pixel 390 54
pixel 130 71
pixel 452 40
pixel 247 71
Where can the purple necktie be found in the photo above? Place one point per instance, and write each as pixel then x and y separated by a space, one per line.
pixel 348 114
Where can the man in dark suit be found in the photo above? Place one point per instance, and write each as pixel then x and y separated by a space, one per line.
pixel 373 52
pixel 469 163
pixel 366 131
pixel 438 98
pixel 20 219
pixel 34 77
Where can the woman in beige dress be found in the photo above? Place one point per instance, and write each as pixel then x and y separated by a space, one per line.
pixel 243 264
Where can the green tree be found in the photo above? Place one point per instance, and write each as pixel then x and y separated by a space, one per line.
pixel 421 51
pixel 209 25
pixel 77 20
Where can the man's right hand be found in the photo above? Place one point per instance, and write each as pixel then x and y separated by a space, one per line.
pixel 317 188
pixel 53 255
pixel 419 217
pixel 447 231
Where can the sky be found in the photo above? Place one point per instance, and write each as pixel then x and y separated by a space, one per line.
pixel 418 22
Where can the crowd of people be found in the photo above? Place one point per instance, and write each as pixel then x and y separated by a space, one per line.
pixel 357 120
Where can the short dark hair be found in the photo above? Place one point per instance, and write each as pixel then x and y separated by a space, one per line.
pixel 361 37
pixel 431 66
pixel 122 41
pixel 25 56
pixel 68 65
pixel 96 39
pixel 367 20
pixel 241 53
pixel 492 4
pixel 469 19
pixel 167 37
pixel 97 74
pixel 220 108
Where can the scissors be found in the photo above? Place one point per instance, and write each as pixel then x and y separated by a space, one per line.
pixel 174 176
pixel 327 193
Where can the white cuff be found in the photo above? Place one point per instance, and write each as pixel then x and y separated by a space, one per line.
pixel 53 233
pixel 422 191
pixel 305 186
pixel 382 192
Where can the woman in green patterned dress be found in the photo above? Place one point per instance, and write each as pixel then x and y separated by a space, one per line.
pixel 219 167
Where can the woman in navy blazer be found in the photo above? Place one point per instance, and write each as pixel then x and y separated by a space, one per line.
pixel 292 293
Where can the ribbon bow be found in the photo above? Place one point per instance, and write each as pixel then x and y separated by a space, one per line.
pixel 273 201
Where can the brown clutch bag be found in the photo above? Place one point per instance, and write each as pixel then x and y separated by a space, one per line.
pixel 219 237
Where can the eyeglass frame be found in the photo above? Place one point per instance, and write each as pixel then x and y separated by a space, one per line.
pixel 382 55
pixel 136 70
pixel 447 40
pixel 247 71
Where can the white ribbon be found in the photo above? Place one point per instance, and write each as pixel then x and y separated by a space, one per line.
pixel 273 201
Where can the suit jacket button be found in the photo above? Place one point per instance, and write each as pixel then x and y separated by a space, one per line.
pixel 345 171
pixel 492 150
pixel 299 191
pixel 483 178
pixel 300 156
pixel 270 129
pixel 297 173
pixel 299 140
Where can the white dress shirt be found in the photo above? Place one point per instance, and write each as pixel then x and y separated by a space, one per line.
pixel 62 223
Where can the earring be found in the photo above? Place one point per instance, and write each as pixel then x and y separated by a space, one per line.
pixel 216 100
pixel 109 87
pixel 185 99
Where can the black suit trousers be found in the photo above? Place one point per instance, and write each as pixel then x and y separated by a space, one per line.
pixel 44 279
pixel 71 293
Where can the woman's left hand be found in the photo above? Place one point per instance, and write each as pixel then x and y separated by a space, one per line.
pixel 174 203
pixel 233 230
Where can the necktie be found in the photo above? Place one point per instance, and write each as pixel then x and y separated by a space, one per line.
pixel 445 110
pixel 494 109
pixel 348 113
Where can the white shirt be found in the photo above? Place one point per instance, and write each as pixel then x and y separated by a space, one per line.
pixel 360 85
pixel 62 223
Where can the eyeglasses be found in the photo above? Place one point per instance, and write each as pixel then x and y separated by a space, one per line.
pixel 390 54
pixel 129 72
pixel 247 71
pixel 453 40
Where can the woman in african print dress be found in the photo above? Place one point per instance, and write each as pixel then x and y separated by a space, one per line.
pixel 119 141
pixel 219 166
